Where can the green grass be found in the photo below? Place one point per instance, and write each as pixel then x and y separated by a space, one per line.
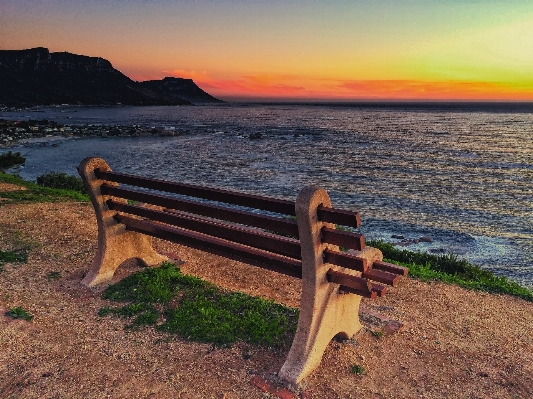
pixel 450 269
pixel 197 310
pixel 36 193
pixel 53 276
pixel 14 256
pixel 20 256
pixel 19 313
pixel 376 334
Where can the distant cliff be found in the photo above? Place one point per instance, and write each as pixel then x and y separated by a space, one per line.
pixel 38 77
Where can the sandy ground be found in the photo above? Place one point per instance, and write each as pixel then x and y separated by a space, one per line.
pixel 454 344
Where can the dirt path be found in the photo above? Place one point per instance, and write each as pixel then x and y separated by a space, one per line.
pixel 455 343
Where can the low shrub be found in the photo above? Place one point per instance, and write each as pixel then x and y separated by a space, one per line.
pixel 10 159
pixel 61 181
pixel 16 256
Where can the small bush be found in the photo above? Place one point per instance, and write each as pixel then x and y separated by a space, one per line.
pixel 61 181
pixel 10 159
pixel 377 334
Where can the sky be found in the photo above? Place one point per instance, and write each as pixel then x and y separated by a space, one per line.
pixel 296 49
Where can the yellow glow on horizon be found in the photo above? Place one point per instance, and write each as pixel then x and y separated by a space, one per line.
pixel 270 87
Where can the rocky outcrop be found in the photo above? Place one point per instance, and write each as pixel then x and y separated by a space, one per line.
pixel 38 77
pixel 180 88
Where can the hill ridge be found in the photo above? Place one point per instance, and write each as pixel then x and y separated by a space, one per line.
pixel 37 76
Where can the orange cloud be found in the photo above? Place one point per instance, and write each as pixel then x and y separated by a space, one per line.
pixel 251 85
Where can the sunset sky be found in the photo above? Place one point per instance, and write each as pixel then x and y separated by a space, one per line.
pixel 331 49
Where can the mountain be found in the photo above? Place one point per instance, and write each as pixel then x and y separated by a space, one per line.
pixel 38 77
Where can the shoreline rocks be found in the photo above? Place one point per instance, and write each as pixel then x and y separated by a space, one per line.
pixel 410 241
pixel 44 132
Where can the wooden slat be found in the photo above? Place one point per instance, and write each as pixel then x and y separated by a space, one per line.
pixel 256 257
pixel 278 225
pixel 229 197
pixel 381 276
pixel 345 239
pixel 380 290
pixel 349 283
pixel 251 237
pixel 339 216
pixel 330 215
pixel 348 261
pixel 391 268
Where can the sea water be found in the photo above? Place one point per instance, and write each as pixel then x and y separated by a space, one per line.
pixel 461 175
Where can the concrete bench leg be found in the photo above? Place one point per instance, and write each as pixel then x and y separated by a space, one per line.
pixel 324 313
pixel 115 244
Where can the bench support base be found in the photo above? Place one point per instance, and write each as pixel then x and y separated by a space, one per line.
pixel 115 243
pixel 324 312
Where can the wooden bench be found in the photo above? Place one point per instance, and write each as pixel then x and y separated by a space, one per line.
pixel 214 220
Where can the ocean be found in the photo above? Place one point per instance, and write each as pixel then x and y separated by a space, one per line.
pixel 461 174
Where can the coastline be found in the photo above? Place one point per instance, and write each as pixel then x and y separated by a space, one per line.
pixel 471 199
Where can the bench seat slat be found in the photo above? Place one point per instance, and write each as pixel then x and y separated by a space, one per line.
pixel 345 260
pixel 379 289
pixel 391 268
pixel 342 238
pixel 349 283
pixel 381 276
pixel 247 236
pixel 256 257
pixel 278 225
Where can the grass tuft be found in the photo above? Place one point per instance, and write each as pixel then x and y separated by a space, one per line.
pixel 15 256
pixel 377 334
pixel 358 369
pixel 19 313
pixel 197 310
pixel 53 276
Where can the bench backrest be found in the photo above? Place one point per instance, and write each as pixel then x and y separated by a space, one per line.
pixel 263 240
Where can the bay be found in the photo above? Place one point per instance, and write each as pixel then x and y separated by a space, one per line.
pixel 458 174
